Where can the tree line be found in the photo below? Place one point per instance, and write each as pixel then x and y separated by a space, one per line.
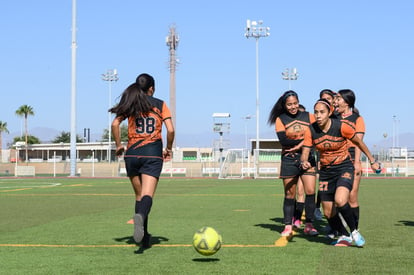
pixel 25 111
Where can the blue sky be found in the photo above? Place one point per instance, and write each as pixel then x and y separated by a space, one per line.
pixel 366 46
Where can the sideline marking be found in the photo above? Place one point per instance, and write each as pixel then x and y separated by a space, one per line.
pixel 26 187
pixel 126 245
pixel 32 186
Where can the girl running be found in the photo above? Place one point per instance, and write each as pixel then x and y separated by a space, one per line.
pixel 330 137
pixel 144 155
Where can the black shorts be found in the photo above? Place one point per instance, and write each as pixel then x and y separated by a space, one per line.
pixel 146 160
pixel 331 177
pixel 290 166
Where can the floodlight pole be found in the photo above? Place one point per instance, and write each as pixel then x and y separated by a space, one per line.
pixel 73 95
pixel 110 76
pixel 172 43
pixel 245 118
pixel 290 75
pixel 394 141
pixel 254 29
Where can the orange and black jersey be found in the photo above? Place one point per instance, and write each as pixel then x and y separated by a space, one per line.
pixel 290 129
pixel 332 145
pixel 359 123
pixel 147 129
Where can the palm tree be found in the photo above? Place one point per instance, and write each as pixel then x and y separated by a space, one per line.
pixel 25 111
pixel 3 128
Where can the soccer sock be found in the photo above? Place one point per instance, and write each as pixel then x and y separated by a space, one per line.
pixel 318 201
pixel 288 210
pixel 145 206
pixel 146 226
pixel 336 224
pixel 299 210
pixel 137 203
pixel 355 212
pixel 309 207
pixel 348 216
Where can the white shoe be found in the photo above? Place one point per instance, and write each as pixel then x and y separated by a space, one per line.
pixel 138 228
pixel 358 239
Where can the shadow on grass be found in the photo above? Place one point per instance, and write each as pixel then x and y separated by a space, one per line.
pixel 279 226
pixel 406 223
pixel 205 260
pixel 130 240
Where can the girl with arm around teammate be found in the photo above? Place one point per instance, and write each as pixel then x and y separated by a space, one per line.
pixel 290 125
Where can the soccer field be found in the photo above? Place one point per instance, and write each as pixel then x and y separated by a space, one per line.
pixel 82 226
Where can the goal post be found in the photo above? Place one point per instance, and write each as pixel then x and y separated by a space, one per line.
pixel 235 164
pixel 238 164
pixel 267 163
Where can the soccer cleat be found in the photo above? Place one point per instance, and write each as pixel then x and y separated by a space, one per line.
pixel 318 214
pixel 138 227
pixel 287 231
pixel 297 223
pixel 358 239
pixel 146 241
pixel 310 230
pixel 344 241
pixel 333 234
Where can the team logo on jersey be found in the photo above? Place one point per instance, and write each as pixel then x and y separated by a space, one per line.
pixel 327 145
pixel 295 131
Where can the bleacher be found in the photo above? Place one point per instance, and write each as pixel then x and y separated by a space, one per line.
pixel 264 156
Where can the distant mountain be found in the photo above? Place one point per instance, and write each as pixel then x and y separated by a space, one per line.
pixel 403 140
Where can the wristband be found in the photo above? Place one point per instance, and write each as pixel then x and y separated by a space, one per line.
pixel 372 163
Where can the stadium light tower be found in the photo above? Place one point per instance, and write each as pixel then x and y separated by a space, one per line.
pixel 73 95
pixel 255 30
pixel 290 75
pixel 110 76
pixel 246 118
pixel 172 42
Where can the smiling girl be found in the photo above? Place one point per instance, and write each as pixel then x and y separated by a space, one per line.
pixel 330 137
pixel 290 125
pixel 345 107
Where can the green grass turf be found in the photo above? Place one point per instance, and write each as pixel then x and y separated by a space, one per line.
pixel 79 226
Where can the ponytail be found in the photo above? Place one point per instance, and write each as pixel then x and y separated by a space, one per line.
pixel 134 102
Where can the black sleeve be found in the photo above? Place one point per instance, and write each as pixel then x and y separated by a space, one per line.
pixel 287 142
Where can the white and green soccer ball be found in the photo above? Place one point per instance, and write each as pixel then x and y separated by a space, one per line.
pixel 207 241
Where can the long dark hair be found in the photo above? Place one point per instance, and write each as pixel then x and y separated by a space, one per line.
pixel 279 107
pixel 134 100
pixel 349 97
pixel 328 92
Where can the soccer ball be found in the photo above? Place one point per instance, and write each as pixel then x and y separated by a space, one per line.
pixel 207 241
